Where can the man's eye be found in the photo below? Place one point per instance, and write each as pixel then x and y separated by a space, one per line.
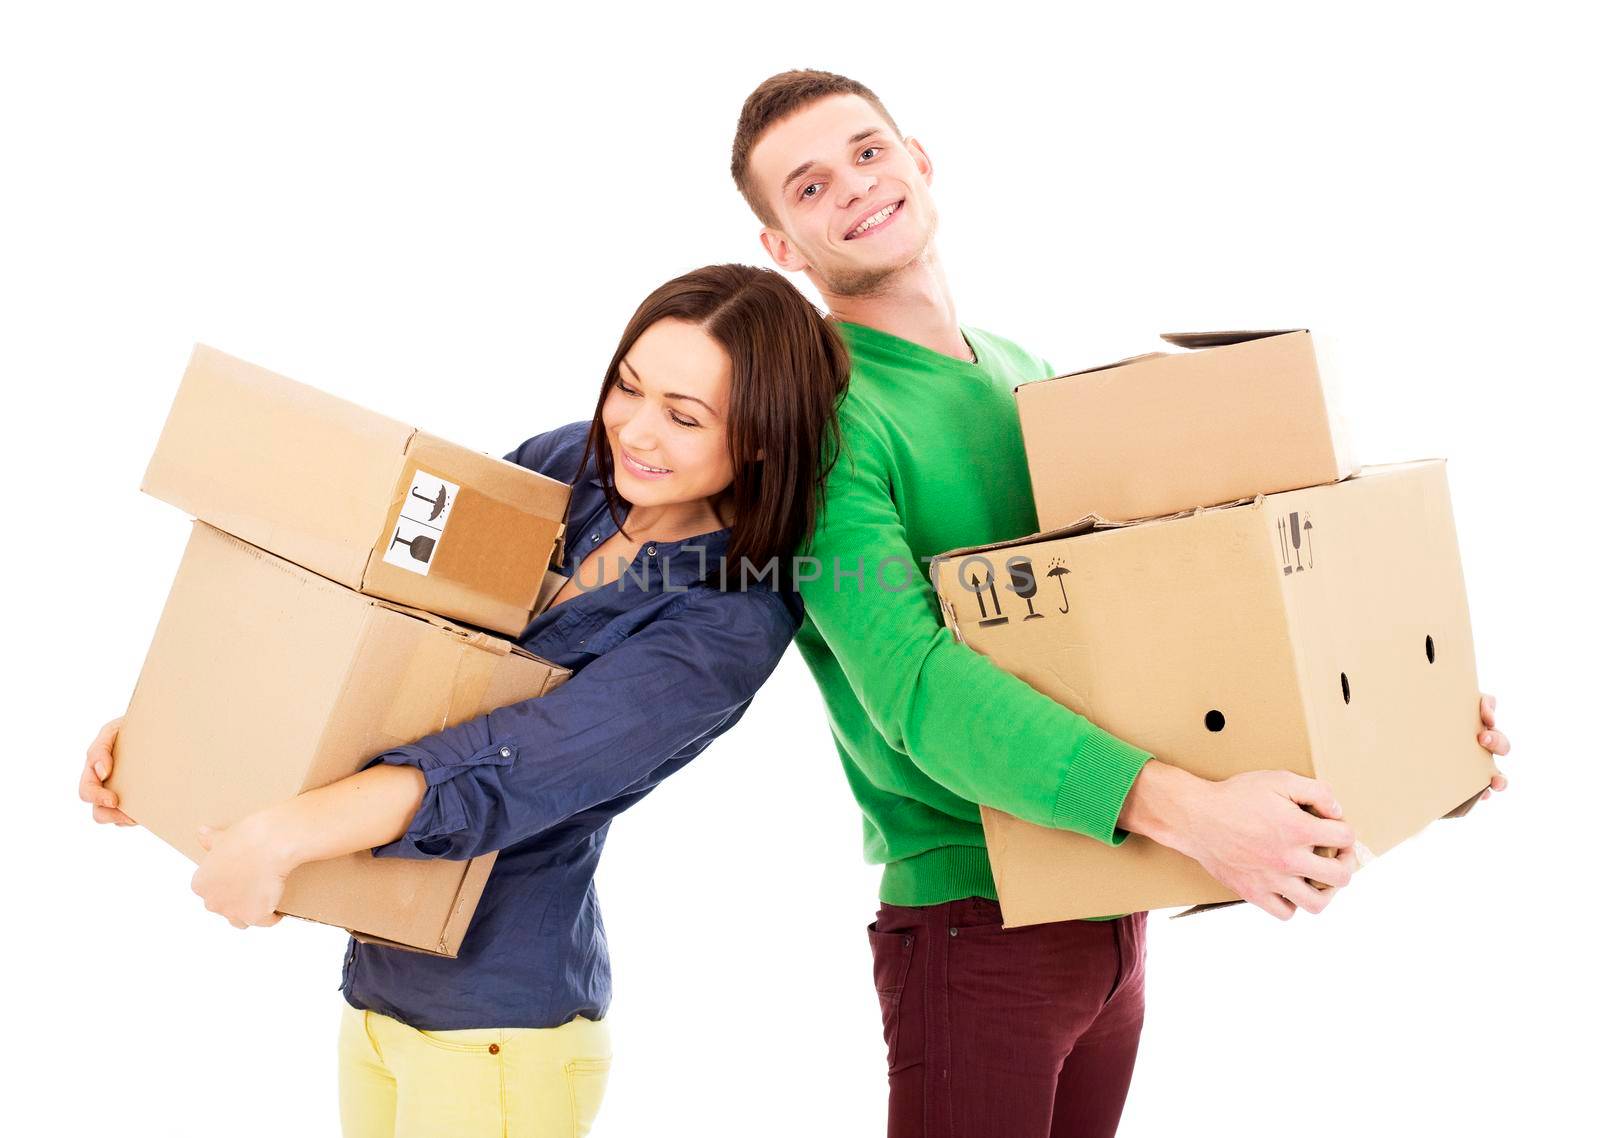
pixel 870 151
pixel 806 193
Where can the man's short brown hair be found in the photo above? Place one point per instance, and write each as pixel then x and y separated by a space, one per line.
pixel 772 102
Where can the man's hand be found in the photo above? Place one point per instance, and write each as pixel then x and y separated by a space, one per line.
pixel 243 873
pixel 1252 832
pixel 1492 741
pixel 96 769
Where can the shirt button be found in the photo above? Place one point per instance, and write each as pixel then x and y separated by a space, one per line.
pixel 494 1049
pixel 651 550
pixel 505 752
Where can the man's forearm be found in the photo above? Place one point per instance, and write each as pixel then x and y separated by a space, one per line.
pixel 1161 802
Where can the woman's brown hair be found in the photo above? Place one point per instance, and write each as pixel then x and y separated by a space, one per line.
pixel 790 369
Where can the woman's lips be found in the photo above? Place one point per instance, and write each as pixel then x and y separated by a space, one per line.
pixel 635 468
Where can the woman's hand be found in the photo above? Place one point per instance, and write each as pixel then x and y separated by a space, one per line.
pixel 243 872
pixel 96 769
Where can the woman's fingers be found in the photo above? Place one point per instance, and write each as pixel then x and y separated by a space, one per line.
pixel 100 749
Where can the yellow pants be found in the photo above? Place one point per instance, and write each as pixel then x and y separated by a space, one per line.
pixel 513 1082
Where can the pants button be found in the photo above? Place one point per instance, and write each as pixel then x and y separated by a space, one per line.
pixel 494 1049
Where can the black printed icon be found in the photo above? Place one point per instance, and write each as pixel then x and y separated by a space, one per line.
pixel 1059 571
pixel 1024 584
pixel 435 505
pixel 978 586
pixel 1294 535
pixel 420 547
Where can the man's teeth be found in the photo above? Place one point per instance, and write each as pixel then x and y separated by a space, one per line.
pixel 873 220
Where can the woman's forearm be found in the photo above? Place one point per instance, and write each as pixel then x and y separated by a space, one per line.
pixel 370 808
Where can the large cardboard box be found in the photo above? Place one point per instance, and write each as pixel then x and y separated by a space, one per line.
pixel 265 680
pixel 1233 415
pixel 1322 631
pixel 357 497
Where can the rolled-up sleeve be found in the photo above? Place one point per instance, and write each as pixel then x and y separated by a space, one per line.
pixel 661 694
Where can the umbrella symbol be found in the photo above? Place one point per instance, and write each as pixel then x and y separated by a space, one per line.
pixel 1059 572
pixel 436 505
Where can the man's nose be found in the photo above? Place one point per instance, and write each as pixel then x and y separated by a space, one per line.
pixel 855 186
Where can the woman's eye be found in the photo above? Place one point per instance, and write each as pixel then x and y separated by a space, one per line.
pixel 625 389
pixel 681 421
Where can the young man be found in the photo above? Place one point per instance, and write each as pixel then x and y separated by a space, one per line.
pixel 1025 1032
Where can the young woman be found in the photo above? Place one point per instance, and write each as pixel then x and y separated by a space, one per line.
pixel 702 459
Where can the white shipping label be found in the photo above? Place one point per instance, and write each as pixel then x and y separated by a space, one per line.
pixel 420 527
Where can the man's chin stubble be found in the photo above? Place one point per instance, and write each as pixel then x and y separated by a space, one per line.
pixel 868 283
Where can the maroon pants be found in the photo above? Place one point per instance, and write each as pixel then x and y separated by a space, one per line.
pixel 1020 1033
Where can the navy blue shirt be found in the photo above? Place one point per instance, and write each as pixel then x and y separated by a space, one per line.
pixel 663 662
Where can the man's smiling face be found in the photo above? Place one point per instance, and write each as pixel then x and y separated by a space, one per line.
pixel 849 197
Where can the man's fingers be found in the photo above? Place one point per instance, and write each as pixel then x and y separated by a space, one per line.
pixel 1307 896
pixel 1313 792
pixel 1325 870
pixel 1495 742
pixel 111 814
pixel 205 837
pixel 270 921
pixel 1274 904
pixel 1486 707
pixel 1327 832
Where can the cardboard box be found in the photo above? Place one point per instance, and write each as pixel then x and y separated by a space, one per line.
pixel 356 497
pixel 1322 631
pixel 1234 415
pixel 265 680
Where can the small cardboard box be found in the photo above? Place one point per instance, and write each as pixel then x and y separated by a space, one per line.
pixel 1322 631
pixel 265 680
pixel 1234 415
pixel 356 497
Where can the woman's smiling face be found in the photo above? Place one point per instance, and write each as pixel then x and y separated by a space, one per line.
pixel 666 417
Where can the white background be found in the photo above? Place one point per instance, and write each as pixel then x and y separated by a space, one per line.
pixel 448 213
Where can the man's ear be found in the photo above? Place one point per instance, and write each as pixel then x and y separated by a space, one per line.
pixel 782 251
pixel 920 157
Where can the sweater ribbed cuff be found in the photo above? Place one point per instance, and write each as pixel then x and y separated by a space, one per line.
pixel 1099 775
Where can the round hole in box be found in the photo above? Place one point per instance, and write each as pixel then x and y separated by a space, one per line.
pixel 1344 686
pixel 1429 647
pixel 1215 721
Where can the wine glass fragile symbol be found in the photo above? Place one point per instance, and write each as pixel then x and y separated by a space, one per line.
pixel 1025 585
pixel 420 547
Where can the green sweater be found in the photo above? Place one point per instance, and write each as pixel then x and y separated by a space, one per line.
pixel 932 459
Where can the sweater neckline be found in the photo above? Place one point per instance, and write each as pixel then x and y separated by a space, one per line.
pixel 901 347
